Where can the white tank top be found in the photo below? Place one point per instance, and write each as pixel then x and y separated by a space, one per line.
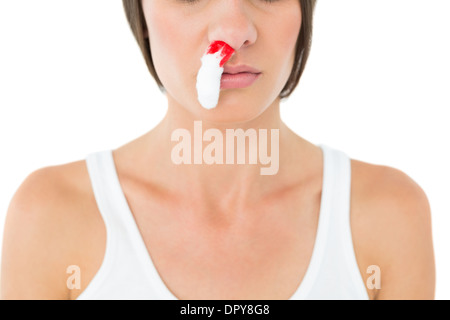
pixel 127 271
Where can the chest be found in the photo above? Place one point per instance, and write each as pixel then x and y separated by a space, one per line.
pixel 264 257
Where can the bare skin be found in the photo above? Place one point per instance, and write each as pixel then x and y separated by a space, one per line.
pixel 53 221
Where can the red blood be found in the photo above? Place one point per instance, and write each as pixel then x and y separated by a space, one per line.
pixel 226 52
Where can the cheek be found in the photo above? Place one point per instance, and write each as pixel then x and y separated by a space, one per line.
pixel 287 33
pixel 280 39
pixel 169 43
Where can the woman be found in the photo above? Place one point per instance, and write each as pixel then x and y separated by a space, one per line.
pixel 133 223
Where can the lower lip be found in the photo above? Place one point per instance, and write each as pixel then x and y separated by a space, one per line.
pixel 238 80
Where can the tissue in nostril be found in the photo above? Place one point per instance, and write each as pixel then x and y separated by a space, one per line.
pixel 210 73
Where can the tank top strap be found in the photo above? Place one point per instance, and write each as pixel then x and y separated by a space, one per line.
pixel 105 186
pixel 111 200
pixel 339 257
pixel 106 189
pixel 337 178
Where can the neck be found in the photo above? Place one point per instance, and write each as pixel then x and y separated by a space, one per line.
pixel 227 187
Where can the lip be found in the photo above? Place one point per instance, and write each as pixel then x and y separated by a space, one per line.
pixel 238 76
pixel 239 69
pixel 238 80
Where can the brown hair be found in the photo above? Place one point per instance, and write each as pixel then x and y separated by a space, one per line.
pixel 136 20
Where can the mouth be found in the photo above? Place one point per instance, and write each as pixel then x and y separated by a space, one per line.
pixel 242 68
pixel 238 80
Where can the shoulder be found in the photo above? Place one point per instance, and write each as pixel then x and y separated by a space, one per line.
pixel 48 186
pixel 48 193
pixel 49 221
pixel 391 227
pixel 389 188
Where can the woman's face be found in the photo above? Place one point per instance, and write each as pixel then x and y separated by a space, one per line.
pixel 262 32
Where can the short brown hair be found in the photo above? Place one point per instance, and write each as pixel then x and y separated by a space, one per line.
pixel 136 20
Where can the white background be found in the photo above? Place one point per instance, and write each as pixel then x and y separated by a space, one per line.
pixel 72 81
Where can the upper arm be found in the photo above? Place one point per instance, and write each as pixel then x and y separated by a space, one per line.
pixel 33 245
pixel 395 231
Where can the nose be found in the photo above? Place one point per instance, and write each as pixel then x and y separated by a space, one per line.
pixel 231 21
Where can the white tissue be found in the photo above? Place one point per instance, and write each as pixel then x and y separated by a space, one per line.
pixel 208 80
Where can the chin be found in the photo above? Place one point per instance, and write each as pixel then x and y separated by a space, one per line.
pixel 231 114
